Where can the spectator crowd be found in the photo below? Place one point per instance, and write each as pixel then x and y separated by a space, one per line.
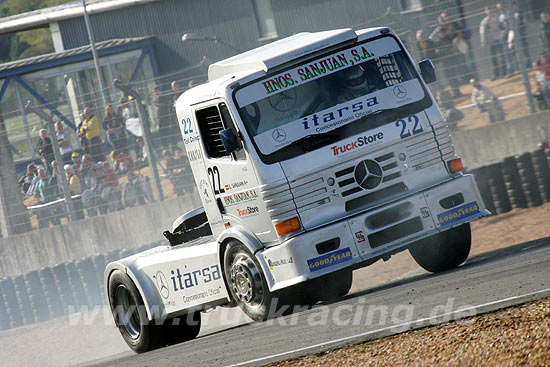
pixel 503 35
pixel 103 168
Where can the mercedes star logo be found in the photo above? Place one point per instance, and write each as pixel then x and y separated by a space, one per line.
pixel 279 135
pixel 368 174
pixel 162 284
pixel 283 101
pixel 399 91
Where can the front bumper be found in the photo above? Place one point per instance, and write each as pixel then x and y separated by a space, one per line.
pixel 354 241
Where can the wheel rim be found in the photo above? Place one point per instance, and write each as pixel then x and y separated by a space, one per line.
pixel 246 281
pixel 128 317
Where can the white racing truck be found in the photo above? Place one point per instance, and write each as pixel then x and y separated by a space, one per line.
pixel 313 156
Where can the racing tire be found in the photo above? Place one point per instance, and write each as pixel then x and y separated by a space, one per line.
pixel 246 282
pixel 443 251
pixel 130 317
pixel 330 286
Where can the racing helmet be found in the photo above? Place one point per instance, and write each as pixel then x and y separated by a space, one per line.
pixel 355 80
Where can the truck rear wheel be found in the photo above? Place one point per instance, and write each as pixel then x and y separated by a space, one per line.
pixel 246 281
pixel 130 317
pixel 443 251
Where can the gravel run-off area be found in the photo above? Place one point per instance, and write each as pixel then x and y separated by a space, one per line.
pixel 517 336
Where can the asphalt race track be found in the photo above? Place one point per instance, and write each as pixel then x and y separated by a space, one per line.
pixel 485 283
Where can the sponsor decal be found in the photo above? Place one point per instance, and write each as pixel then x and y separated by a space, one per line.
pixel 361 141
pixel 205 294
pixel 316 69
pixel 330 118
pixel 400 91
pixel 329 259
pixel 457 214
pixel 250 210
pixel 240 197
pixel 289 129
pixel 275 263
pixel 360 237
pixel 279 135
pixel 425 212
pixel 181 281
pixel 191 139
pixel 236 185
pixel 203 188
pixel 162 284
pixel 194 155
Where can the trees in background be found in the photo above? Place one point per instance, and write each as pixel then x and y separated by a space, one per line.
pixel 25 44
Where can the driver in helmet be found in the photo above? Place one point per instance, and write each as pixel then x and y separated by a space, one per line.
pixel 354 84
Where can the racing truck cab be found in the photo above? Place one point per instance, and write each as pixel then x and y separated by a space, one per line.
pixel 314 155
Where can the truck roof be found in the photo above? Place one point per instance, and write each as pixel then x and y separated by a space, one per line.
pixel 280 52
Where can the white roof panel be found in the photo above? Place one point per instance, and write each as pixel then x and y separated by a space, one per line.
pixel 279 52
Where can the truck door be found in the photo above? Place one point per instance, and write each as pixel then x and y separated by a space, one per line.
pixel 231 177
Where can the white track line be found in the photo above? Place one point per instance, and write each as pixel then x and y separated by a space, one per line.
pixel 405 325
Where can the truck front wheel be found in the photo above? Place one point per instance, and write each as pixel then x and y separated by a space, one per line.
pixel 443 251
pixel 246 281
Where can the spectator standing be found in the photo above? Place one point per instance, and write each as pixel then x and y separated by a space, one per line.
pixel 487 101
pixel 75 157
pixel 45 148
pixel 447 54
pixel 53 178
pixel 84 143
pixel 163 104
pixel 122 162
pixel 45 193
pixel 115 128
pixel 111 197
pixel 64 140
pixel 544 33
pixel 141 153
pixel 90 129
pixel 541 91
pixel 521 38
pixel 175 134
pixel 75 189
pixel 29 179
pixel 426 47
pixel 505 34
pixel 460 37
pixel 137 190
pixel 176 167
pixel 89 171
pixel 91 178
pixel 489 33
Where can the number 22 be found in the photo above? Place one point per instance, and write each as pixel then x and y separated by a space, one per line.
pixel 405 132
pixel 213 172
pixel 186 126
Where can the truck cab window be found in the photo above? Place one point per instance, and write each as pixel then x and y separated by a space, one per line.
pixel 210 124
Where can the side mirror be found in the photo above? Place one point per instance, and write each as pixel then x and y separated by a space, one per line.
pixel 230 140
pixel 427 70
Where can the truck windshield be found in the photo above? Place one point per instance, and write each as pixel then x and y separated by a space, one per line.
pixel 330 97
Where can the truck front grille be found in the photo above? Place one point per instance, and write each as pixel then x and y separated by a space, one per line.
pixel 347 177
